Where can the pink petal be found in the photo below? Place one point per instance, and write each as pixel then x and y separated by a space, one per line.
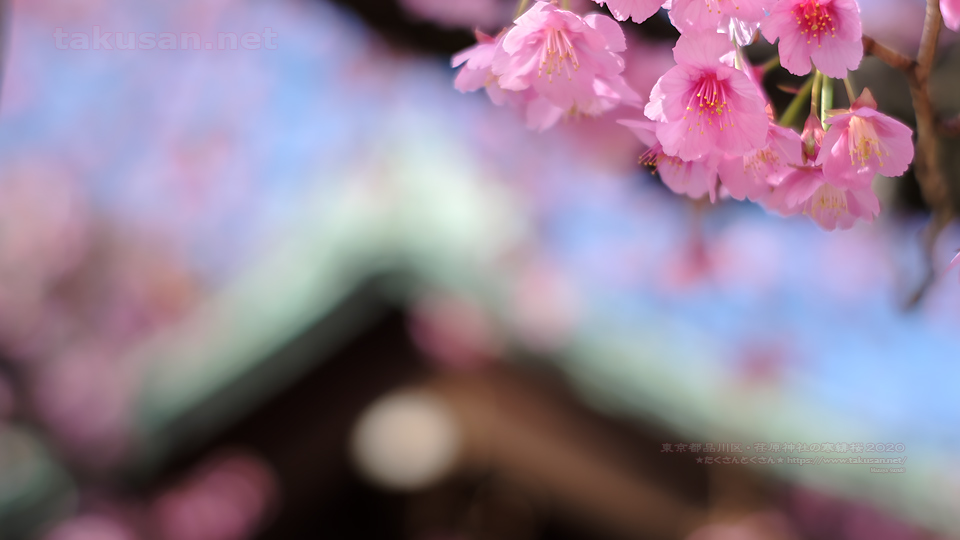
pixel 896 142
pixel 676 140
pixel 738 180
pixel 639 10
pixel 794 54
pixel 951 14
pixel 837 56
pixel 797 187
pixel 693 15
pixel 692 178
pixel 787 144
pixel 868 205
pixel 702 50
pixel 754 175
pixel 846 18
pixel 667 97
pixel 833 53
pixel 834 156
pixel 609 29
pixel 747 116
pixel 644 130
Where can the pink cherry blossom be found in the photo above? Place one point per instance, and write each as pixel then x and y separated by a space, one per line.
pixel 713 15
pixel 809 191
pixel 477 72
pixel 477 62
pixel 569 60
pixel 862 142
pixel 825 31
pixel 806 191
pixel 705 105
pixel 951 13
pixel 742 31
pixel 692 178
pixel 754 175
pixel 639 10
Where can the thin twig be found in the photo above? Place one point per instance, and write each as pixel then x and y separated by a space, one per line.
pixel 926 163
pixel 928 39
pixel 887 55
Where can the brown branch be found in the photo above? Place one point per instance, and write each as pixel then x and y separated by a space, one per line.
pixel 887 55
pixel 926 163
pixel 928 39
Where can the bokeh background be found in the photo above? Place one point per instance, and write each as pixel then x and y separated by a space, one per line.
pixel 315 292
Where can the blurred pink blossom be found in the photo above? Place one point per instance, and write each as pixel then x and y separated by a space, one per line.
pixel 86 396
pixel 44 222
pixel 91 527
pixel 710 15
pixel 570 61
pixel 758 526
pixel 461 13
pixel 227 499
pixel 951 13
pixel 807 190
pixel 454 332
pixel 545 306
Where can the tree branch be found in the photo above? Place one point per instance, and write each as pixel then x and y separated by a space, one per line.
pixel 926 163
pixel 928 39
pixel 887 55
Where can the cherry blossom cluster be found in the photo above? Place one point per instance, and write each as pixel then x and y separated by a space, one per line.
pixel 710 128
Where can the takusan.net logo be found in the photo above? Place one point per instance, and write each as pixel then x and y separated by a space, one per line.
pixel 99 40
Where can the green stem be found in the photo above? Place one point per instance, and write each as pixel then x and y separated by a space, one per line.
pixel 565 4
pixel 795 109
pixel 851 95
pixel 815 93
pixel 826 98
